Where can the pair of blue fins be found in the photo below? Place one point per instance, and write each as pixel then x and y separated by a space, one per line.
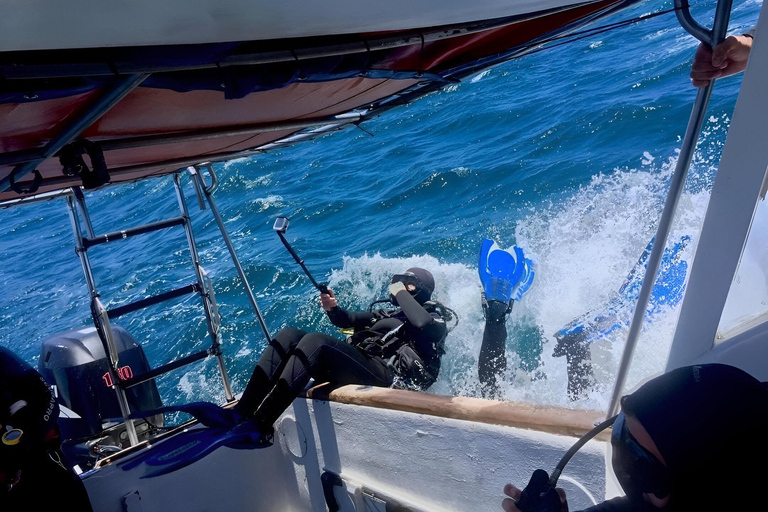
pixel 505 276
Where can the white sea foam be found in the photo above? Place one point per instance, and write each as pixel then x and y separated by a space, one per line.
pixel 584 248
pixel 258 182
pixel 480 76
pixel 264 203
pixel 647 158
pixel 235 162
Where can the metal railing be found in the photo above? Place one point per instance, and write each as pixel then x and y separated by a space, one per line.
pixel 712 38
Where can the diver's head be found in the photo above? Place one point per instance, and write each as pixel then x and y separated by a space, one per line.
pixel 693 438
pixel 637 462
pixel 418 281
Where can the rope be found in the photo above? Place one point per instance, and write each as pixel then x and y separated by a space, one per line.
pixel 575 36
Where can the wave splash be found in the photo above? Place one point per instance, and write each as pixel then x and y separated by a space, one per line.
pixel 583 246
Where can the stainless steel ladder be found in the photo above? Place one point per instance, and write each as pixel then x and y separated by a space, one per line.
pixel 102 317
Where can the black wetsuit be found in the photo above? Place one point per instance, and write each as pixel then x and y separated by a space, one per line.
pixel 294 356
pixel 492 362
pixel 581 378
pixel 32 476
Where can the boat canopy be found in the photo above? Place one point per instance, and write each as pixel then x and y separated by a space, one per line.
pixel 43 25
pixel 91 116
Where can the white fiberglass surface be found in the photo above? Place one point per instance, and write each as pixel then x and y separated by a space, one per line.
pixel 747 303
pixel 38 24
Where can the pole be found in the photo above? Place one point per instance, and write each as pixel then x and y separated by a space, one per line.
pixel 208 191
pixel 321 287
pixel 712 38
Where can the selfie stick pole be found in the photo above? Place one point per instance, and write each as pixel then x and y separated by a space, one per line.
pixel 280 227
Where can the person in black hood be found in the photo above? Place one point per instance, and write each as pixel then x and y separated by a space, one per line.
pixel 692 439
pixel 397 346
pixel 32 473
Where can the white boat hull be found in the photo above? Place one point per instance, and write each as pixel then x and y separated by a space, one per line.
pixel 421 461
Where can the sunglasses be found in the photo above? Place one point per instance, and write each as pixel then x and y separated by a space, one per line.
pixel 637 469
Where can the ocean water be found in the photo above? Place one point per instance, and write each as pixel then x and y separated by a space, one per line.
pixel 566 153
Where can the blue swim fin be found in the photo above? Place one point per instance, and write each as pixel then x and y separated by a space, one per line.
pixel 617 312
pixel 223 427
pixel 210 415
pixel 504 277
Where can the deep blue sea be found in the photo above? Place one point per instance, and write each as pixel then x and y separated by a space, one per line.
pixel 566 153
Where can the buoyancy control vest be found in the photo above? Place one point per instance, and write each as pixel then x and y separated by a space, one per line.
pixel 403 348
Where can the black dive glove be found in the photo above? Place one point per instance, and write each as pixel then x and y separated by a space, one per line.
pixel 539 496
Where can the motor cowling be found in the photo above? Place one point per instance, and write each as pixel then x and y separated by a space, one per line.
pixel 76 365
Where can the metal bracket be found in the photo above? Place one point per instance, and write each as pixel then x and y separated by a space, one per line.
pixel 210 300
pixel 198 188
pixel 208 189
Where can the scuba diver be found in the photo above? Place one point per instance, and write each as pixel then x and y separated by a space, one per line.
pixel 574 340
pixel 32 475
pixel 505 278
pixel 691 439
pixel 400 346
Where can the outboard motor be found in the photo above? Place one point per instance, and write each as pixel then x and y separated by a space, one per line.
pixel 76 365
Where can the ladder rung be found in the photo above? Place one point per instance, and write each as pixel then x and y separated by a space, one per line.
pixel 156 372
pixel 139 230
pixel 150 301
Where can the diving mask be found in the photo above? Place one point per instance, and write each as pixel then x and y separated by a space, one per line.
pixel 637 469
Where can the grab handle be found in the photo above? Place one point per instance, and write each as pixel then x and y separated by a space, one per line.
pixel 719 27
